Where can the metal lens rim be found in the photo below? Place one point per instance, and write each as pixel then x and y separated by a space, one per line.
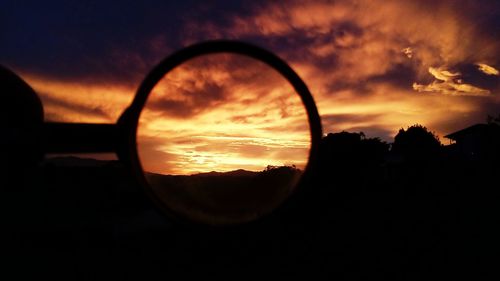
pixel 132 114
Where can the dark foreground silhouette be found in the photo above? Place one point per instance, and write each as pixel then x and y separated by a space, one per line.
pixel 417 211
pixel 362 220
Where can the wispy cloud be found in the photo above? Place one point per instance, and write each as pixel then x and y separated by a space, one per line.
pixel 451 88
pixel 489 70
pixel 76 101
pixel 449 83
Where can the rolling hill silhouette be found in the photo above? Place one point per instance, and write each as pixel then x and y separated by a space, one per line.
pixel 235 195
pixel 235 173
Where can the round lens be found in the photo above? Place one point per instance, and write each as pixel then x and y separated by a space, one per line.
pixel 223 139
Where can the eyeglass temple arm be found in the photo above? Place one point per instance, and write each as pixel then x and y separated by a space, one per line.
pixel 79 138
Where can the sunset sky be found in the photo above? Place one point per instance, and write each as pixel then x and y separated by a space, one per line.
pixel 372 66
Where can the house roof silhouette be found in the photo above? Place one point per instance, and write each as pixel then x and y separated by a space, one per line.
pixel 487 133
pixel 477 129
pixel 477 142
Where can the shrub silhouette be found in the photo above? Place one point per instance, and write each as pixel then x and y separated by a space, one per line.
pixel 352 149
pixel 416 143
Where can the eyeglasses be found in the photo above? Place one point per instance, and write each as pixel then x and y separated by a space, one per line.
pixel 207 198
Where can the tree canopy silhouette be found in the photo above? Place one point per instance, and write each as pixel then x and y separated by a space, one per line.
pixel 344 148
pixel 416 143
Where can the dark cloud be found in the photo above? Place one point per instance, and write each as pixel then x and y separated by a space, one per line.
pixel 104 41
pixel 91 40
pixel 484 16
pixel 470 74
pixel 194 101
pixel 399 75
pixel 49 102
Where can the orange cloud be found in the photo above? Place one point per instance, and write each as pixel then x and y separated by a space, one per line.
pixel 449 84
pixel 362 59
pixel 365 38
pixel 73 101
pixel 213 114
pixel 371 66
pixel 489 70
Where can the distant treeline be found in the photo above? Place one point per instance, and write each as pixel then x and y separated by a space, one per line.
pixel 415 145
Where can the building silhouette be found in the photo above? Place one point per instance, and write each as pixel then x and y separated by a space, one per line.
pixel 479 142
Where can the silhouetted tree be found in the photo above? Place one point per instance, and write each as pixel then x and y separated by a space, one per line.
pixel 349 164
pixel 352 149
pixel 284 167
pixel 341 147
pixel 374 150
pixel 416 143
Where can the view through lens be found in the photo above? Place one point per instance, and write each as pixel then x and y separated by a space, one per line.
pixel 223 139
